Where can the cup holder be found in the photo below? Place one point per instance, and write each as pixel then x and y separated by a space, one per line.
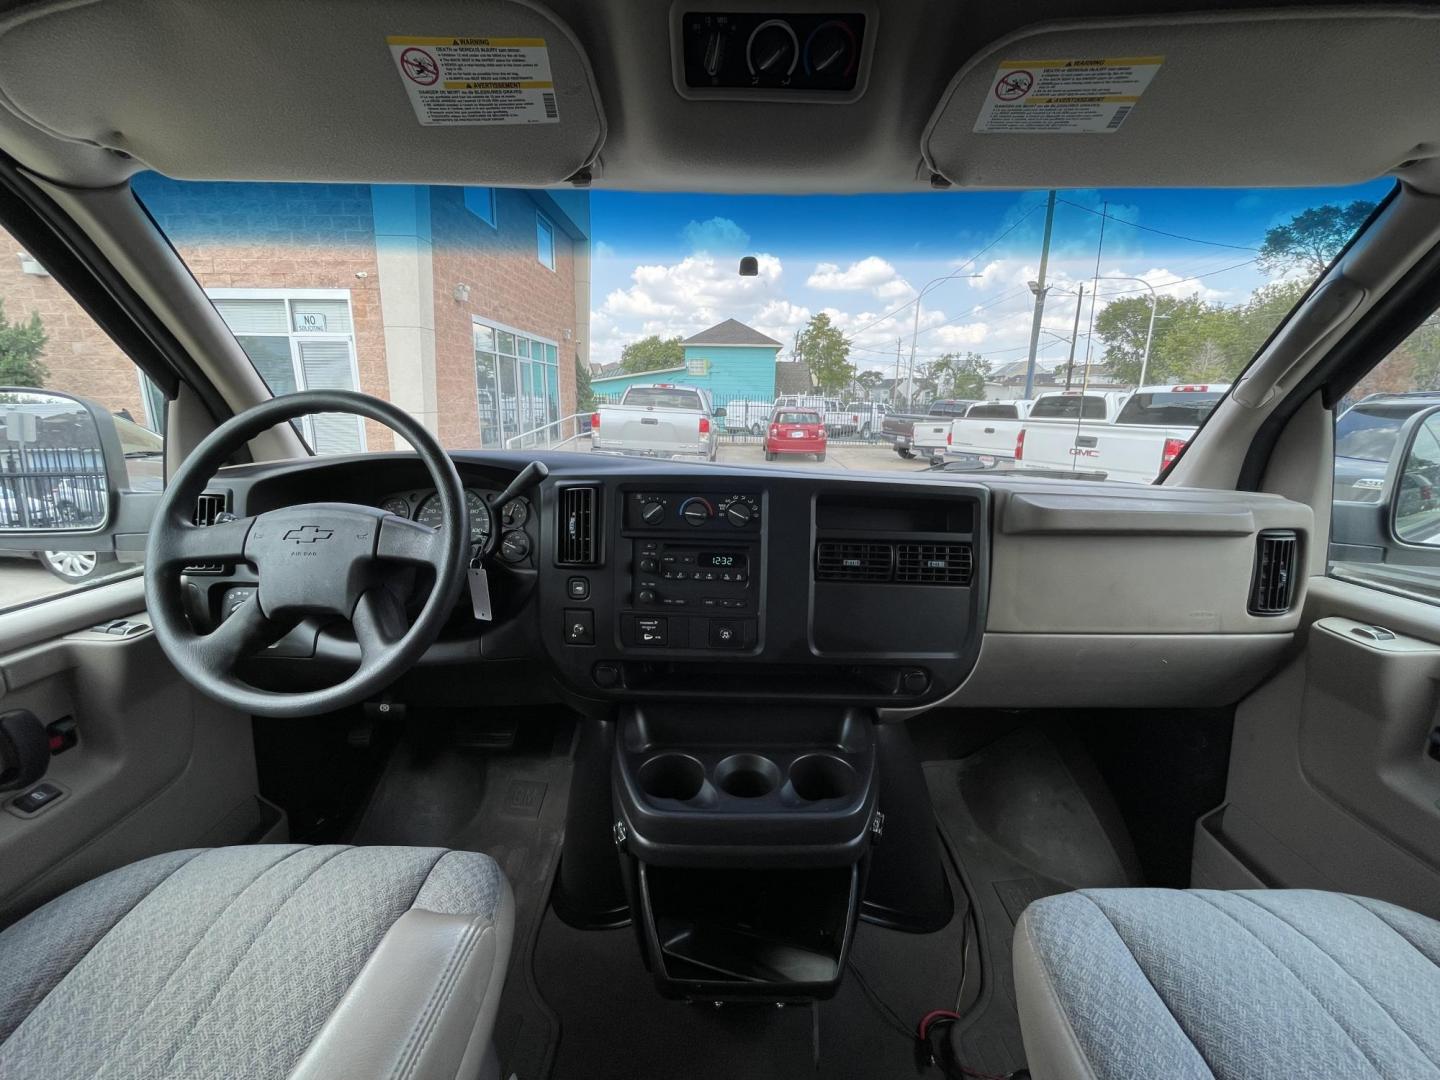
pixel 816 777
pixel 672 776
pixel 747 776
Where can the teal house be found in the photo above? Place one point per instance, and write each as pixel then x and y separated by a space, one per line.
pixel 733 361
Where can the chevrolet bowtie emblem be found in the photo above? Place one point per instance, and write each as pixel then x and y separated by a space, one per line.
pixel 309 534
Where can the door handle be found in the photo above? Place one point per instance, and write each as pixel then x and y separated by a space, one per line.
pixel 989 431
pixel 1086 440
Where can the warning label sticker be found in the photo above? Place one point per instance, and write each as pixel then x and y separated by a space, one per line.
pixel 476 80
pixel 1063 97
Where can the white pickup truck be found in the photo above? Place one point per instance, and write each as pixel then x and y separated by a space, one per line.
pixel 658 420
pixel 1131 437
pixel 988 428
pixel 837 420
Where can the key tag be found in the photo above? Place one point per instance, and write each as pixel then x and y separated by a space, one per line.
pixel 479 590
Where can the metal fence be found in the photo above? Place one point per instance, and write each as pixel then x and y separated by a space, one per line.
pixel 746 419
pixel 45 487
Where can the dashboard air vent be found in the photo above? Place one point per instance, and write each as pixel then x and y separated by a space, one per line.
pixel 933 564
pixel 578 526
pixel 208 506
pixel 837 560
pixel 1272 589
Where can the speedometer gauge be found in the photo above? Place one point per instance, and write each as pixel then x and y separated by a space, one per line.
pixel 429 514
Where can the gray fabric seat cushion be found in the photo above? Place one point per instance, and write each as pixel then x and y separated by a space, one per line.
pixel 215 963
pixel 1131 983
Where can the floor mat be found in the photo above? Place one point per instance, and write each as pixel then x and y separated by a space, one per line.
pixel 510 804
pixel 1023 818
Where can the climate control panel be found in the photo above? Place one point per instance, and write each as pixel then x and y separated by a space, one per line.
pixel 683 511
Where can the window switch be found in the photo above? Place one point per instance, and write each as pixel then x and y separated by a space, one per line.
pixel 579 626
pixel 37 798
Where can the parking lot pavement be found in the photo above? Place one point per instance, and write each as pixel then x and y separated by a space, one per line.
pixel 22 580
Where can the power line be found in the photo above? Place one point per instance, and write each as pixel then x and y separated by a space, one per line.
pixel 1158 232
pixel 895 311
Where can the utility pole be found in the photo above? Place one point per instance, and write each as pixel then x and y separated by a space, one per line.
pixel 1074 336
pixel 1038 288
pixel 895 385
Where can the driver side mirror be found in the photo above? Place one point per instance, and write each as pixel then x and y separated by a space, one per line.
pixel 62 469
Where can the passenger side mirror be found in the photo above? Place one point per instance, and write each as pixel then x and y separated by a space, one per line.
pixel 719 414
pixel 1415 486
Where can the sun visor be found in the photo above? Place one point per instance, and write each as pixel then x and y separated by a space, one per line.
pixel 482 92
pixel 1270 98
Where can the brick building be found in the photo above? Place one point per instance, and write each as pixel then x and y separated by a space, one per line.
pixel 468 307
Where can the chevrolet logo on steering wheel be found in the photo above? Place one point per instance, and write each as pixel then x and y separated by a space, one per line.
pixel 309 534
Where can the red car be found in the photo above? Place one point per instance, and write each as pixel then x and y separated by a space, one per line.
pixel 795 431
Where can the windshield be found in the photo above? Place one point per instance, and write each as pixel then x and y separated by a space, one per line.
pixel 654 397
pixel 508 319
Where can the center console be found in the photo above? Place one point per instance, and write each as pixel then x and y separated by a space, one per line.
pixel 740 801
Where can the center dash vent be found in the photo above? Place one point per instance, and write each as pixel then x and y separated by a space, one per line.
pixel 837 560
pixel 933 564
pixel 208 506
pixel 1272 587
pixel 577 544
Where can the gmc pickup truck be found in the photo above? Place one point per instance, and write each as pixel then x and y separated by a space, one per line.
pixel 658 420
pixel 924 435
pixel 1130 437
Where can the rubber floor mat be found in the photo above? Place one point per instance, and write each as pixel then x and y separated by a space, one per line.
pixel 509 804
pixel 1021 819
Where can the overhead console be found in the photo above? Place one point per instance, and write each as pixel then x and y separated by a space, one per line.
pixel 846 591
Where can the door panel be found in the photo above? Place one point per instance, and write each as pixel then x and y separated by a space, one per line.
pixel 1330 783
pixel 157 767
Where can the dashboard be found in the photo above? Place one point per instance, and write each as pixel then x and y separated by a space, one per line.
pixel 622 580
pixel 423 505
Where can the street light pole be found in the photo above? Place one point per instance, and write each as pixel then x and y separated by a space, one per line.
pixel 915 331
pixel 1150 329
pixel 1074 336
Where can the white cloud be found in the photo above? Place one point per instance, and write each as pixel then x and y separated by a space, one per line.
pixel 872 273
pixel 716 234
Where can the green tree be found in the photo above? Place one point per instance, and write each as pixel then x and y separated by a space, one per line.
pixel 653 353
pixel 1122 327
pixel 21 344
pixel 1312 238
pixel 826 352
pixel 584 392
pixel 970 372
pixel 870 380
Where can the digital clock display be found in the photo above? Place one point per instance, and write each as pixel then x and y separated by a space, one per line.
pixel 721 560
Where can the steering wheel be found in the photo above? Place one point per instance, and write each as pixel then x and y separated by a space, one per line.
pixel 340 560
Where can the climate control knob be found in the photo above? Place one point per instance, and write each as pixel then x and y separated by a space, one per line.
pixel 738 514
pixel 697 512
pixel 652 513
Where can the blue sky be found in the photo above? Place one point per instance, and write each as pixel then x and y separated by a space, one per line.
pixel 666 264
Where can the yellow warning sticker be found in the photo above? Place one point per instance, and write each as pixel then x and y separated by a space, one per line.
pixel 1063 97
pixel 476 80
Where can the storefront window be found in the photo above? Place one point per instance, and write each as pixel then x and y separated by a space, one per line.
pixel 517 386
